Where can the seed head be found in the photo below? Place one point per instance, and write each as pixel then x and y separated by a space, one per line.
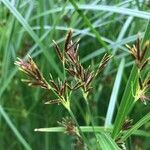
pixel 30 68
pixel 69 125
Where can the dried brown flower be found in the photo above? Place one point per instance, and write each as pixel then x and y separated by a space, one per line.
pixel 58 51
pixel 61 88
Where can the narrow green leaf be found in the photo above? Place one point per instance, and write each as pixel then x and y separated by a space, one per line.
pixel 83 128
pixel 114 94
pixel 14 129
pixel 89 129
pixel 106 142
pixel 106 8
pixel 141 133
pixel 120 10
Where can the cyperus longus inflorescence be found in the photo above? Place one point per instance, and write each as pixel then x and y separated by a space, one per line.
pixel 81 78
pixel 71 63
pixel 30 68
pixel 69 57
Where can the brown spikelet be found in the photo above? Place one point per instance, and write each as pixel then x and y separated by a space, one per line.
pixel 69 126
pixel 103 62
pixel 63 89
pixel 58 51
pixel 71 71
pixel 89 80
pixel 68 40
pixel 30 68
pixel 127 124
pixel 54 86
pixel 139 53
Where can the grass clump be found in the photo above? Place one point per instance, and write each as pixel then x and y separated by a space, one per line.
pixel 100 101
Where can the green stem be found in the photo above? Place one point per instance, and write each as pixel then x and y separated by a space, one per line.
pixel 88 109
pixel 90 114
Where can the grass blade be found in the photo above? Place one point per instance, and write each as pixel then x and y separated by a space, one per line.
pixel 120 10
pixel 111 46
pixel 106 142
pixel 14 129
pixel 83 128
pixel 114 94
pixel 106 8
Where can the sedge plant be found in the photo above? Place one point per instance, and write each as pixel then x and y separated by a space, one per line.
pixel 75 77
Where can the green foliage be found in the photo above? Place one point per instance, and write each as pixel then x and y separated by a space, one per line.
pixel 28 27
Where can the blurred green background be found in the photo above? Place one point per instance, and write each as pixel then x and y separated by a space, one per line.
pixel 28 27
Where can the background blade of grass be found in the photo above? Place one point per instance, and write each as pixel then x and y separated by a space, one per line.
pixel 120 10
pixel 89 129
pixel 14 129
pixel 113 9
pixel 114 94
pixel 62 129
pixel 111 46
